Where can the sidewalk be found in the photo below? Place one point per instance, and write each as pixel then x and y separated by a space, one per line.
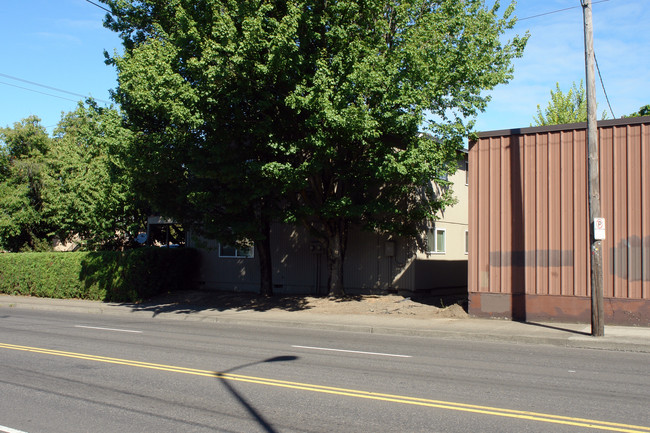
pixel 619 338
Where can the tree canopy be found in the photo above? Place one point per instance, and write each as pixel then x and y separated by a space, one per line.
pixel 304 111
pixel 87 190
pixel 643 111
pixel 72 184
pixel 22 151
pixel 569 107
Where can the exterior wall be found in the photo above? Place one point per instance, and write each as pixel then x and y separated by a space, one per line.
pixel 529 228
pixel 454 220
pixel 458 213
pixel 299 268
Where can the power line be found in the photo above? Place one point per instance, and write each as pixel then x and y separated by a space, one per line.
pixel 552 12
pixel 547 13
pixel 36 91
pixel 597 67
pixel 99 6
pixel 49 87
pixel 603 85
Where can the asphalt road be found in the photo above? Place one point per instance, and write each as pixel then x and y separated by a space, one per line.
pixel 91 373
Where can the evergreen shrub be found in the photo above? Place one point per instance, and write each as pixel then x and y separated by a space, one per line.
pixel 116 276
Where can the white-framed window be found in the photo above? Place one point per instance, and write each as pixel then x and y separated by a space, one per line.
pixel 466 172
pixel 227 251
pixel 436 241
pixel 466 242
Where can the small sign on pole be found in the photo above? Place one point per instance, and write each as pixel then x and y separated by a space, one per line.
pixel 599 229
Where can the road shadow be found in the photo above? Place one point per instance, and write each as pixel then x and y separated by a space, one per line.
pixel 243 401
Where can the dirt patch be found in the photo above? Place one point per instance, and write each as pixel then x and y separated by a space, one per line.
pixel 422 307
pixel 385 304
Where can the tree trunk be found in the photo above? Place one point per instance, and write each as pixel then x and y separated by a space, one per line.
pixel 263 247
pixel 336 245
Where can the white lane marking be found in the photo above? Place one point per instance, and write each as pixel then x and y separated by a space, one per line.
pixel 10 430
pixel 107 329
pixel 352 351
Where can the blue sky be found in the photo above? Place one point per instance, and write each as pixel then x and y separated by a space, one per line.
pixel 60 44
pixel 555 53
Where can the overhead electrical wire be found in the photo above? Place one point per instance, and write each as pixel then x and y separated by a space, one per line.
pixel 50 88
pixel 596 61
pixel 99 6
pixel 36 91
pixel 603 85
pixel 553 12
pixel 33 83
pixel 600 77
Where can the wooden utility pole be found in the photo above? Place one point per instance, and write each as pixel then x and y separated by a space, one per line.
pixel 597 224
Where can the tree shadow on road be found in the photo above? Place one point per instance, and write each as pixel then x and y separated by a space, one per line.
pixel 439 304
pixel 194 301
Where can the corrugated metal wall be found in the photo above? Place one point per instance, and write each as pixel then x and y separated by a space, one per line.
pixel 529 217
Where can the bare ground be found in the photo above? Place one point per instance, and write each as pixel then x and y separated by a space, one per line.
pixel 420 307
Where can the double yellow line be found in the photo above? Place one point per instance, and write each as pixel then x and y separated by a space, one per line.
pixel 485 410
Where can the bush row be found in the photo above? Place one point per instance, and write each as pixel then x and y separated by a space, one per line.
pixel 128 276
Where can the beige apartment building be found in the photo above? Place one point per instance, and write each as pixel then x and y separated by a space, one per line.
pixel 373 263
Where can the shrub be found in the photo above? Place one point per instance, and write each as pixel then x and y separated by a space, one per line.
pixel 129 276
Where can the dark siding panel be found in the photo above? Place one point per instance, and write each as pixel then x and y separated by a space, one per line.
pixel 516 185
pixel 505 242
pixel 473 263
pixel 645 209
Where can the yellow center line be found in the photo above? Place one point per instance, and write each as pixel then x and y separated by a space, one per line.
pixel 440 404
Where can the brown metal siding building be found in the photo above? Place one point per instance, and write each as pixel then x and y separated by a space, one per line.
pixel 529 228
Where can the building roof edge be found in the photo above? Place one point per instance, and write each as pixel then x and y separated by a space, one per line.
pixel 564 127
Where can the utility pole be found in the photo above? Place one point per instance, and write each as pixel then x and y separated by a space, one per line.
pixel 597 223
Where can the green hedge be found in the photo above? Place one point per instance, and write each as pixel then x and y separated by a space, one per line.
pixel 128 276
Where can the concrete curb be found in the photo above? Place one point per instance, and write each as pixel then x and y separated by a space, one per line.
pixel 498 331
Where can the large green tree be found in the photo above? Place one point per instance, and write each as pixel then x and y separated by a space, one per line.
pixel 377 73
pixel 203 84
pixel 87 189
pixel 310 111
pixel 23 149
